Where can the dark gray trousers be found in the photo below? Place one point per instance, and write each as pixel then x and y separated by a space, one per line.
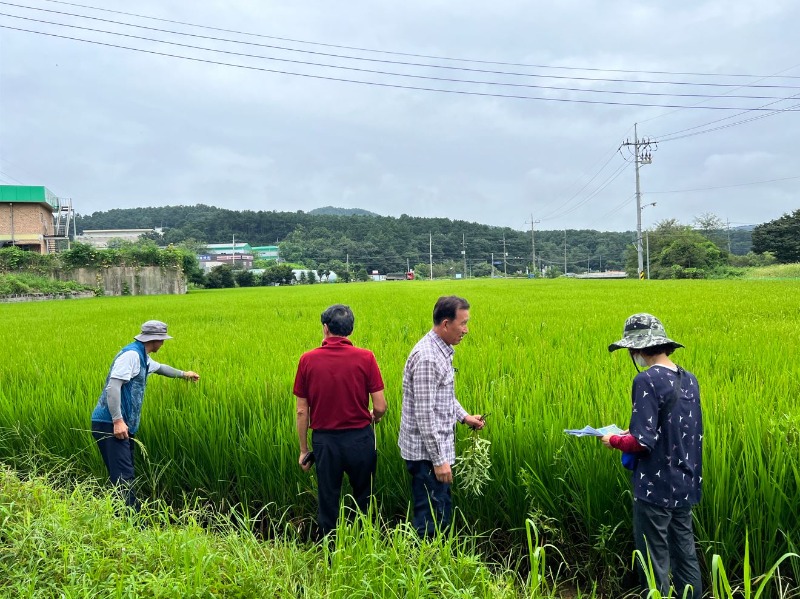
pixel 668 537
pixel 118 458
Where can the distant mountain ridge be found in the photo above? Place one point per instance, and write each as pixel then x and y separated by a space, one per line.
pixel 334 211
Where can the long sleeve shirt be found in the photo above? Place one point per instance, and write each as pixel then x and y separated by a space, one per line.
pixel 430 408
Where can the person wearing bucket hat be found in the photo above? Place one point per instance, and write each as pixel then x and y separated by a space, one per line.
pixel 666 437
pixel 115 419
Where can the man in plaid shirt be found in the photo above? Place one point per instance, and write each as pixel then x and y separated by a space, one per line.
pixel 429 414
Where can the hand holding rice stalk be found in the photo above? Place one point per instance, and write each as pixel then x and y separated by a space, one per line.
pixel 474 464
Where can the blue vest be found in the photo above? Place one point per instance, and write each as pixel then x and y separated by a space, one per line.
pixel 132 395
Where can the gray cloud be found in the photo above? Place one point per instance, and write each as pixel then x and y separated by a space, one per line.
pixel 114 128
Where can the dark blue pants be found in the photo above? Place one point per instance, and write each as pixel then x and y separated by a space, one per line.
pixel 667 534
pixel 432 502
pixel 118 458
pixel 349 451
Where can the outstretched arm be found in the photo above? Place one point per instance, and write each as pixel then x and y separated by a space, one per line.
pixel 174 373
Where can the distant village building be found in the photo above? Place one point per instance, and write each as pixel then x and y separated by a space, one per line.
pixel 331 277
pixel 238 256
pixel 33 218
pixel 235 261
pixel 100 238
pixel 267 252
pixel 228 249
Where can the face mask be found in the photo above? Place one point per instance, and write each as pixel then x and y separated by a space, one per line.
pixel 639 360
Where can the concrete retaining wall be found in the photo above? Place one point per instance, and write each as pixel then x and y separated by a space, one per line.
pixel 130 280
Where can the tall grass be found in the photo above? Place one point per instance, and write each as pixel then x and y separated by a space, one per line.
pixel 75 541
pixel 535 358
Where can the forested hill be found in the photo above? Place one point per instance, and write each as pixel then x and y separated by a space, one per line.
pixel 342 211
pixel 382 243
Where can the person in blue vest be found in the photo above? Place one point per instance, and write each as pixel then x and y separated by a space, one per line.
pixel 115 419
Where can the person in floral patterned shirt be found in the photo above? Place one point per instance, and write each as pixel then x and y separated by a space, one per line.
pixel 665 438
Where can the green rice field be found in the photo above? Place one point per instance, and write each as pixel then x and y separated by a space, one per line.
pixel 536 360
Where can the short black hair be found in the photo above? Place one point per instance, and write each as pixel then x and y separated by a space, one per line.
pixel 655 350
pixel 339 319
pixel 447 306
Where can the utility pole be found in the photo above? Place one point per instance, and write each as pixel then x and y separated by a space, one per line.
pixel 505 254
pixel 492 275
pixel 233 262
pixel 565 251
pixel 464 252
pixel 430 252
pixel 533 245
pixel 347 267
pixel 641 155
pixel 729 235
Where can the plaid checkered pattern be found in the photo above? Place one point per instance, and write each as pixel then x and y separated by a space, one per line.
pixel 430 408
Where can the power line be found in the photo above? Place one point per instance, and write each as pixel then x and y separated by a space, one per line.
pixel 409 54
pixel 372 83
pixel 665 136
pixel 374 71
pixel 724 186
pixel 594 194
pixel 792 108
pixel 619 206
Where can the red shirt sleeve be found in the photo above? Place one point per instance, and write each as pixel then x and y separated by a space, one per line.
pixel 626 443
pixel 375 378
pixel 300 381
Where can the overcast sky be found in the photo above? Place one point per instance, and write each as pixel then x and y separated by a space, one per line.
pixel 117 128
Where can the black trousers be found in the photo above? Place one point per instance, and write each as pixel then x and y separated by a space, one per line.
pixel 118 458
pixel 668 536
pixel 350 452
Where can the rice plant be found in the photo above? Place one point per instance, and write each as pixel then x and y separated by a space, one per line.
pixel 535 358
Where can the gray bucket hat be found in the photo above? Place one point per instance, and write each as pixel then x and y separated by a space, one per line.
pixel 153 330
pixel 643 330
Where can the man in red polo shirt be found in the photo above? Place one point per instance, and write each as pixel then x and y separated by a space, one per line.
pixel 333 386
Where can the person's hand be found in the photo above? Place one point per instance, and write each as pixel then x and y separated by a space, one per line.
pixel 374 419
pixel 120 429
pixel 191 376
pixel 305 467
pixel 476 421
pixel 443 473
pixel 606 440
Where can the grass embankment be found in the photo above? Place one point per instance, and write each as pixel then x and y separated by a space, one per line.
pixel 76 541
pixel 776 271
pixel 28 284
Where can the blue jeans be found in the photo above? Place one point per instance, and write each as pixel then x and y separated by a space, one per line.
pixel 432 502
pixel 667 534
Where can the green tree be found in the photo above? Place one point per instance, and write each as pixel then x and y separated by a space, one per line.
pixel 780 237
pixel 481 269
pixel 245 278
pixel 220 277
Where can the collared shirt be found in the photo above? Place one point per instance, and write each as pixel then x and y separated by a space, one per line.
pixel 337 380
pixel 670 472
pixel 430 408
